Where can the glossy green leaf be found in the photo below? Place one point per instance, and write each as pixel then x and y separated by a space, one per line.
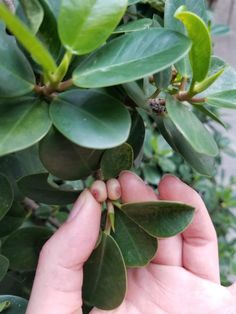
pixel 163 78
pixel 23 124
pixel 134 26
pixel 4 265
pixel 130 2
pixel 91 119
pixel 28 40
pixel 137 133
pixel 138 248
pixel 225 99
pixel 66 160
pixel 170 22
pixel 23 246
pixel 17 305
pixel 116 160
pixel 6 196
pixel 130 57
pixel 200 87
pixel 209 114
pixel 135 93
pixel 191 127
pixel 160 219
pixel 34 14
pixel 16 74
pixel 37 188
pixel 105 276
pixel 55 6
pixel 91 27
pixel 203 164
pixel 200 53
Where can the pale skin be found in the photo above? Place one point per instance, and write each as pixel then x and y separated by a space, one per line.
pixel 183 278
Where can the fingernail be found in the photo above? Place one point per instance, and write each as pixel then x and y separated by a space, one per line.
pixel 170 175
pixel 78 205
pixel 131 173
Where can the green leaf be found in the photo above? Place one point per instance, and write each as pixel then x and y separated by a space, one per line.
pixel 220 29
pixel 92 27
pixel 160 219
pixel 34 14
pixel 66 160
pixel 225 99
pixel 210 114
pixel 191 127
pixel 131 57
pixel 23 246
pixel 15 305
pixel 131 2
pixel 134 26
pixel 116 160
pixel 16 74
pixel 135 93
pixel 6 196
pixel 201 163
pixel 163 78
pixel 91 119
pixel 200 53
pixel 105 276
pixel 28 40
pixel 37 188
pixel 23 124
pixel 138 248
pixel 137 133
pixel 4 265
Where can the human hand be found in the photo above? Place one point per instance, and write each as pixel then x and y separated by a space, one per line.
pixel 183 278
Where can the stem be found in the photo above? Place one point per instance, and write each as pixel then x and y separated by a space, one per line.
pixel 62 69
pixel 110 220
pixel 183 83
pixel 65 85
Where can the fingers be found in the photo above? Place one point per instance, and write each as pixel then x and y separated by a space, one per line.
pixel 135 190
pixel 59 275
pixel 200 250
pixel 101 190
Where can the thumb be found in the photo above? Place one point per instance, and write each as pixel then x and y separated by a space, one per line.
pixel 59 276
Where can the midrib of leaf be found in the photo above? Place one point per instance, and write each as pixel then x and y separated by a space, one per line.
pixel 16 75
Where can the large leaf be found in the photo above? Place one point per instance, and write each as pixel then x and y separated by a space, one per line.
pixel 34 14
pixel 160 219
pixel 200 53
pixel 116 160
pixel 16 75
pixel 23 246
pixel 6 196
pixel 138 248
pixel 130 57
pixel 91 28
pixel 4 265
pixel 201 163
pixel 23 124
pixel 225 99
pixel 105 276
pixel 37 188
pixel 191 127
pixel 15 305
pixel 66 160
pixel 91 119
pixel 134 26
pixel 28 40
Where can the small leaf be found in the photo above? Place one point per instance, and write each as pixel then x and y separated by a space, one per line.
pixel 23 124
pixel 4 305
pixel 66 160
pixel 91 119
pixel 92 27
pixel 37 188
pixel 15 305
pixel 200 87
pixel 220 29
pixel 4 265
pixel 28 40
pixel 23 246
pixel 6 196
pixel 138 248
pixel 203 164
pixel 131 57
pixel 210 114
pixel 200 53
pixel 34 14
pixel 225 99
pixel 116 160
pixel 163 78
pixel 160 219
pixel 134 26
pixel 105 276
pixel 16 75
pixel 191 127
